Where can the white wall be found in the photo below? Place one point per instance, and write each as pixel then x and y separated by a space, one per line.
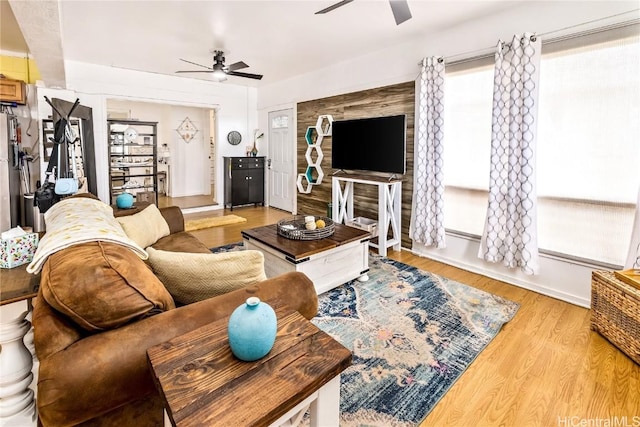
pixel 189 161
pixel 565 280
pixel 94 85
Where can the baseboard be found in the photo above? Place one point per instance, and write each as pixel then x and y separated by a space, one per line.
pixel 553 293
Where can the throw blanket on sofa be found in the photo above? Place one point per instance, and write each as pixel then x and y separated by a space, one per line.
pixel 79 220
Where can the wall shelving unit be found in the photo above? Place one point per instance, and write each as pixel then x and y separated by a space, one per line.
pixel 133 158
pixel 314 135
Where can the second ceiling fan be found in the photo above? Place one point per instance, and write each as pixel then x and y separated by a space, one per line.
pixel 400 9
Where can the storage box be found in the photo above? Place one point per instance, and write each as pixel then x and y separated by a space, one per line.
pixel 365 224
pixel 18 250
pixel 615 312
pixel 146 196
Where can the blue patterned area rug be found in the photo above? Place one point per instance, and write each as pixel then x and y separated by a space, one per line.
pixel 412 335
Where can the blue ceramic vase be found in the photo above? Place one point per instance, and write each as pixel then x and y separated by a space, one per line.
pixel 252 330
pixel 124 201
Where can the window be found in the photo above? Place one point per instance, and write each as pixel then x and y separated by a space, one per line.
pixel 588 146
pixel 280 122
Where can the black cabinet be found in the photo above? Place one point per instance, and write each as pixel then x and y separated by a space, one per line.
pixel 243 181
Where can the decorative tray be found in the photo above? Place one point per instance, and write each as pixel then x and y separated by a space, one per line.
pixel 294 228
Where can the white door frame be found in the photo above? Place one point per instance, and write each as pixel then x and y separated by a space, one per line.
pixel 292 147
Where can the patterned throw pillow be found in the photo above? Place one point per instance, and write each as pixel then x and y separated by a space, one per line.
pixel 192 277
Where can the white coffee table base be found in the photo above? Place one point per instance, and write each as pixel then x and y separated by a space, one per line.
pixel 323 406
pixel 326 269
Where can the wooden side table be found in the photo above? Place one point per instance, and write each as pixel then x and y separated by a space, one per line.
pixel 17 403
pixel 203 384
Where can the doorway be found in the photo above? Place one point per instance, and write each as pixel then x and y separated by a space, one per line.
pixel 184 162
pixel 281 159
pixel 212 152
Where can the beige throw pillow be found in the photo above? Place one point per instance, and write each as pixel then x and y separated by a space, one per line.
pixel 145 227
pixel 192 277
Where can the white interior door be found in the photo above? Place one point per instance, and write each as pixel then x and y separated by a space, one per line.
pixel 280 162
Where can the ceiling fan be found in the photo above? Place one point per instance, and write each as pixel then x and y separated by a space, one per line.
pixel 400 9
pixel 220 70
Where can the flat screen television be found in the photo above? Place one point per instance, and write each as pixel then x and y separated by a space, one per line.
pixel 374 144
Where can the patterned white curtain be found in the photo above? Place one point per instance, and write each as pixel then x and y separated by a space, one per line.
pixel 510 232
pixel 427 216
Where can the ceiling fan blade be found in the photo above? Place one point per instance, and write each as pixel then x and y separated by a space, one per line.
pixel 195 71
pixel 400 10
pixel 334 6
pixel 237 66
pixel 248 75
pixel 199 65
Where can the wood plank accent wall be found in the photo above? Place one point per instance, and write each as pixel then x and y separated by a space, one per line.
pixel 383 101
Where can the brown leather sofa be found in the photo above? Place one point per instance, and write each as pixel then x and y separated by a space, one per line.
pixel 101 377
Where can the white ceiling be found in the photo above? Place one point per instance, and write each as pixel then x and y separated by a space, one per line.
pixel 278 39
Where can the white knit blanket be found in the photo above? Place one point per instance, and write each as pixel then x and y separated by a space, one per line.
pixel 79 220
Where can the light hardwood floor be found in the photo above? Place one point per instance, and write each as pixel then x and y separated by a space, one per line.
pixel 188 201
pixel 545 368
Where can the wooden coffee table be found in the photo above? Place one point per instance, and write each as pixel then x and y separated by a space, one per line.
pixel 328 262
pixel 203 384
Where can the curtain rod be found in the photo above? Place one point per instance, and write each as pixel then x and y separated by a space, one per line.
pixel 489 51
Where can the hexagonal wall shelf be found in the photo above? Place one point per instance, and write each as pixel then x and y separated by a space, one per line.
pixel 314 136
pixel 314 155
pixel 304 185
pixel 324 124
pixel 311 136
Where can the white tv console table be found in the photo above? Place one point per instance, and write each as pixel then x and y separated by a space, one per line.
pixel 389 206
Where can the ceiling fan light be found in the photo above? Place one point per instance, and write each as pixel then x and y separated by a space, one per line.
pixel 219 75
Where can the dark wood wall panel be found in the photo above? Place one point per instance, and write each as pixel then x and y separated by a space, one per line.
pixel 384 101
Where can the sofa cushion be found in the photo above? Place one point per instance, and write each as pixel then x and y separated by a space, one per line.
pixel 182 241
pixel 145 227
pixel 101 285
pixel 191 277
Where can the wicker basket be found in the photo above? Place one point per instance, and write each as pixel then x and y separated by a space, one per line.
pixel 294 228
pixel 615 312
